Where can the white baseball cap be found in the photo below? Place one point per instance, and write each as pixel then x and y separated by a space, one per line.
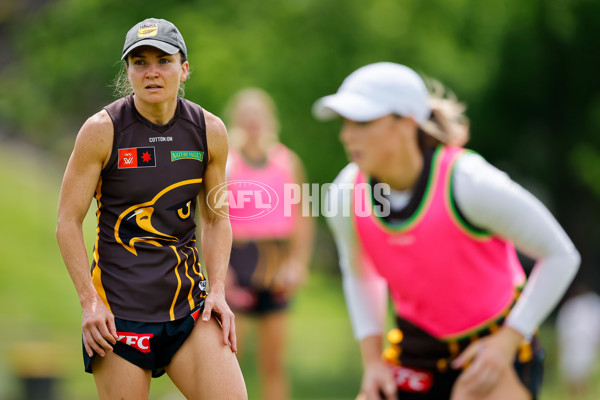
pixel 377 90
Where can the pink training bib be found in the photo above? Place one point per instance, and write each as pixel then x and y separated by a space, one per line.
pixel 443 276
pixel 260 212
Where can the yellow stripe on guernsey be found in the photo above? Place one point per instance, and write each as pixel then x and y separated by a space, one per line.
pixel 194 250
pixel 190 297
pixel 172 310
pixel 97 272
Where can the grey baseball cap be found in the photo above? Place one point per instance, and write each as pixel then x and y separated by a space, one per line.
pixel 154 32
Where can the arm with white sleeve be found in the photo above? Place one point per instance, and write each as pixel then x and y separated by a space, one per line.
pixel 490 200
pixel 365 291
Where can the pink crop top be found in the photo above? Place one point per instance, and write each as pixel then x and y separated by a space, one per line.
pixel 260 211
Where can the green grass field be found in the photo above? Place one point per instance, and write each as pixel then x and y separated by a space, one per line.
pixel 39 304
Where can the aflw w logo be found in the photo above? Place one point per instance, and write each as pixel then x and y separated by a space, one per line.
pixel 128 160
pixel 137 157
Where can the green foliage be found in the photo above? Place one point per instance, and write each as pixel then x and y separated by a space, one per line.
pixel 297 50
pixel 526 70
pixel 585 159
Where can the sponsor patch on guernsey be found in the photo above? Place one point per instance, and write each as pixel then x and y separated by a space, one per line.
pixel 187 155
pixel 137 157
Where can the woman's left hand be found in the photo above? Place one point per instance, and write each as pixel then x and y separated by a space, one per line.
pixel 486 361
pixel 215 302
pixel 290 276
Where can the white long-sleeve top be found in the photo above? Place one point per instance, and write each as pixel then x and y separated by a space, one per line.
pixel 490 200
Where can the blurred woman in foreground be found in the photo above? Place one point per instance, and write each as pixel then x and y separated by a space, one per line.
pixel 437 226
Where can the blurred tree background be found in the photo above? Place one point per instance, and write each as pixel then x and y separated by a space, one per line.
pixel 526 69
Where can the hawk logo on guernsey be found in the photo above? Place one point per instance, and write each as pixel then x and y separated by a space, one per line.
pixel 136 224
pixel 140 342
pixel 152 224
pixel 137 157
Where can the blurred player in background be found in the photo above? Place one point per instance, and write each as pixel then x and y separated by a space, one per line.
pixel 578 334
pixel 271 251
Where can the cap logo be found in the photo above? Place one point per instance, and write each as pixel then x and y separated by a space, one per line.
pixel 147 30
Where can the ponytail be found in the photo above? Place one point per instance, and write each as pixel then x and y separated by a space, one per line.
pixel 447 123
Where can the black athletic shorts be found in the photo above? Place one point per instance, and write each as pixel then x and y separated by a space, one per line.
pixel 430 384
pixel 262 302
pixel 255 264
pixel 421 363
pixel 150 345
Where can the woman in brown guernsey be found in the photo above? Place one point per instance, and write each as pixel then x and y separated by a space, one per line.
pixel 149 159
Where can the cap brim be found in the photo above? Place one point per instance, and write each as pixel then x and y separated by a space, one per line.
pixel 166 47
pixel 348 105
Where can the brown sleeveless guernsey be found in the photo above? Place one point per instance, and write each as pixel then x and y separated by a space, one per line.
pixel 146 264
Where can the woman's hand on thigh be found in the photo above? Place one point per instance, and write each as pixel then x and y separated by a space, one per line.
pixel 215 302
pixel 98 328
pixel 486 361
pixel 378 382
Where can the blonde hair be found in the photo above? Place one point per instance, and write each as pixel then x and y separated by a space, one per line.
pixel 236 131
pixel 448 123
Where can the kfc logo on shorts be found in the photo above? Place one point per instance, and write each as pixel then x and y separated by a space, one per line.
pixel 412 380
pixel 137 341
